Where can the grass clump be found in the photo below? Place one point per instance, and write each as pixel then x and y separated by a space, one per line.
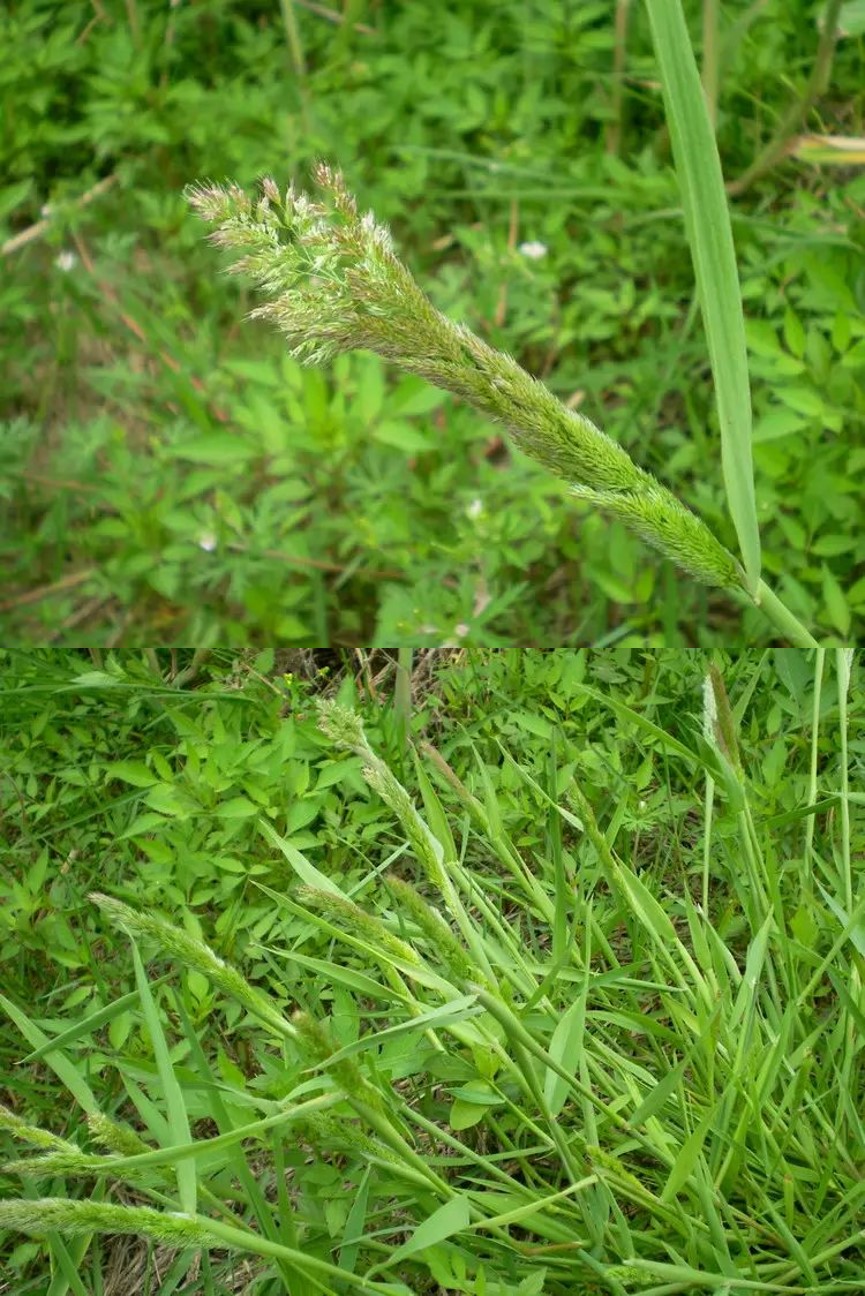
pixel 587 1017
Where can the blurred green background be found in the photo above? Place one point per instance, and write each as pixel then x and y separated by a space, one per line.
pixel 167 474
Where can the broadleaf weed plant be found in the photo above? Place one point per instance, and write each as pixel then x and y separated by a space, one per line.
pixel 334 284
pixel 549 1081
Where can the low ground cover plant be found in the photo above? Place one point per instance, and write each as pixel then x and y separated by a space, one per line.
pixel 587 1015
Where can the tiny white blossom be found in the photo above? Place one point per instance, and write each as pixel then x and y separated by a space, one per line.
pixel 207 541
pixel 461 630
pixel 534 251
pixel 475 509
pixel 65 260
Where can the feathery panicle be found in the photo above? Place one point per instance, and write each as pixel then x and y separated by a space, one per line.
pixel 194 954
pixel 76 1217
pixel 346 1073
pixel 342 726
pixel 334 283
pixel 32 1133
pixel 663 521
pixel 365 926
pixel 441 939
pixel 120 1139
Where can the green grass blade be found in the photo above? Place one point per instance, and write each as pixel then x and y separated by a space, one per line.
pixel 178 1120
pixel 566 1045
pixel 686 1161
pixel 306 871
pixel 89 1025
pixel 452 1217
pixel 707 222
pixel 63 1068
pixel 67 1278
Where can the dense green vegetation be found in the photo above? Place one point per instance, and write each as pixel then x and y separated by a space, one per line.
pixel 168 474
pixel 549 972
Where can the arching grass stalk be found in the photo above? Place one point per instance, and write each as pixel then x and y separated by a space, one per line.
pixel 334 283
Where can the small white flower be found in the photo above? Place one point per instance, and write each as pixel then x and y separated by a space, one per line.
pixel 65 260
pixel 534 251
pixel 461 630
pixel 207 541
pixel 45 210
pixel 475 509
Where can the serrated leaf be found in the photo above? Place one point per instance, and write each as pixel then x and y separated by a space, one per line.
pixel 777 423
pixel 804 400
pixel 414 398
pixel 134 772
pixel 402 436
pixel 222 448
pixel 239 807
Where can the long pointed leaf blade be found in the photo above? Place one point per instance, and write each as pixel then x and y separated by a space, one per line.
pixel 710 235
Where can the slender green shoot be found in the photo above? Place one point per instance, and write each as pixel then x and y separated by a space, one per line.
pixel 710 235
